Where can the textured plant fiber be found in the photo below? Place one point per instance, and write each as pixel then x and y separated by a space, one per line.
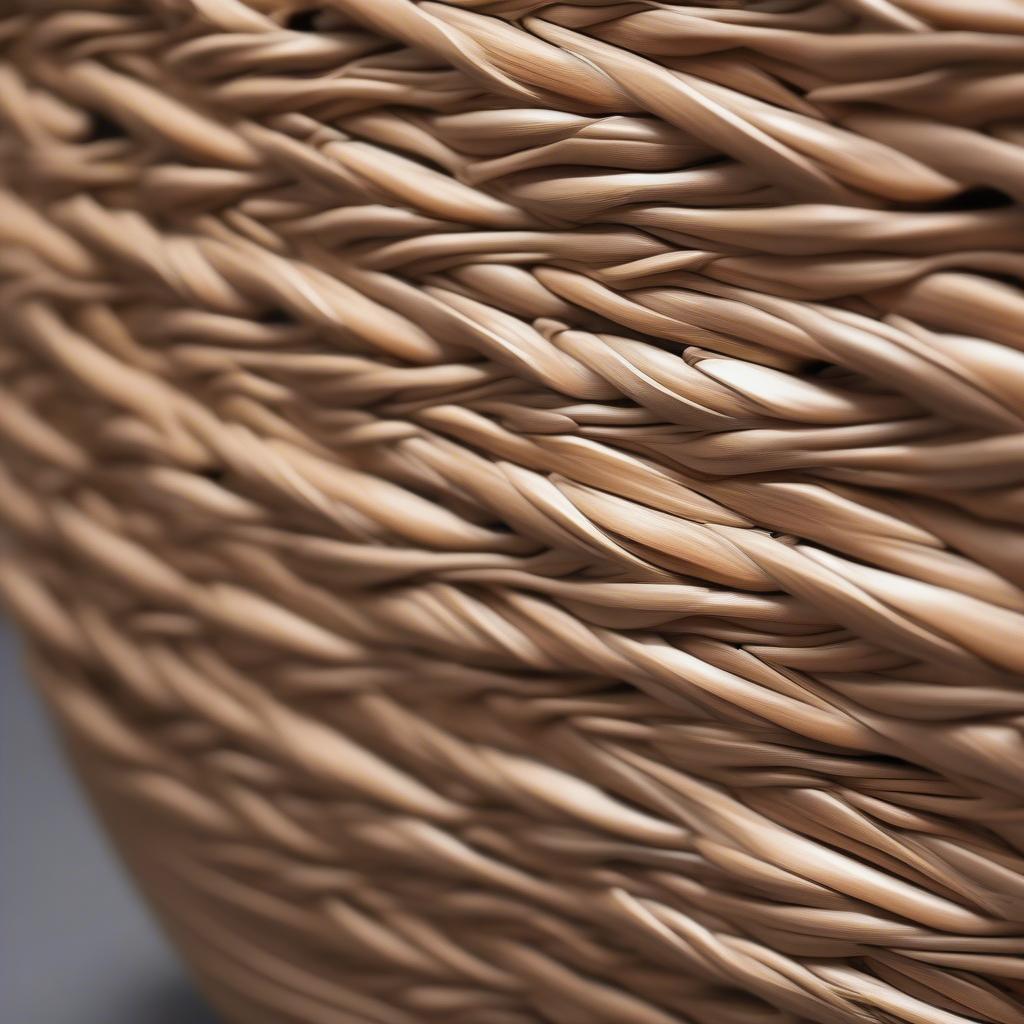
pixel 518 506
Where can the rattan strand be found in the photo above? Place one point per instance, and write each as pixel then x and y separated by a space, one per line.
pixel 518 506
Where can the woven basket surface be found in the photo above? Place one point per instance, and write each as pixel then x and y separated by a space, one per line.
pixel 518 506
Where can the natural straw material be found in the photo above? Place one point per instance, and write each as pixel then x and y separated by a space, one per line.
pixel 518 507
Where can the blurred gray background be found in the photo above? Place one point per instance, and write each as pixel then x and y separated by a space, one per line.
pixel 76 944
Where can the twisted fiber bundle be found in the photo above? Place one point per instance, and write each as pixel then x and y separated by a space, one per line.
pixel 518 507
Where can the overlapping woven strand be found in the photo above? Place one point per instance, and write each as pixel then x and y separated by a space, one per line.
pixel 518 506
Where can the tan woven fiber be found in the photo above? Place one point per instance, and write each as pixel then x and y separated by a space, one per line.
pixel 518 507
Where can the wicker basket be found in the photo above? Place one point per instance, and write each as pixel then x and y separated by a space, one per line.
pixel 518 507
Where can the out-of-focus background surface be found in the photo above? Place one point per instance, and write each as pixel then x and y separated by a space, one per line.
pixel 76 944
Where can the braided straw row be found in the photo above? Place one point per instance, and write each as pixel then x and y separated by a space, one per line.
pixel 519 506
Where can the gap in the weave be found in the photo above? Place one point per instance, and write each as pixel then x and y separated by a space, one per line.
pixel 275 316
pixel 103 127
pixel 979 198
pixel 304 20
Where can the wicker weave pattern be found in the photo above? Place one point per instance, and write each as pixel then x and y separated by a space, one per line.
pixel 519 506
